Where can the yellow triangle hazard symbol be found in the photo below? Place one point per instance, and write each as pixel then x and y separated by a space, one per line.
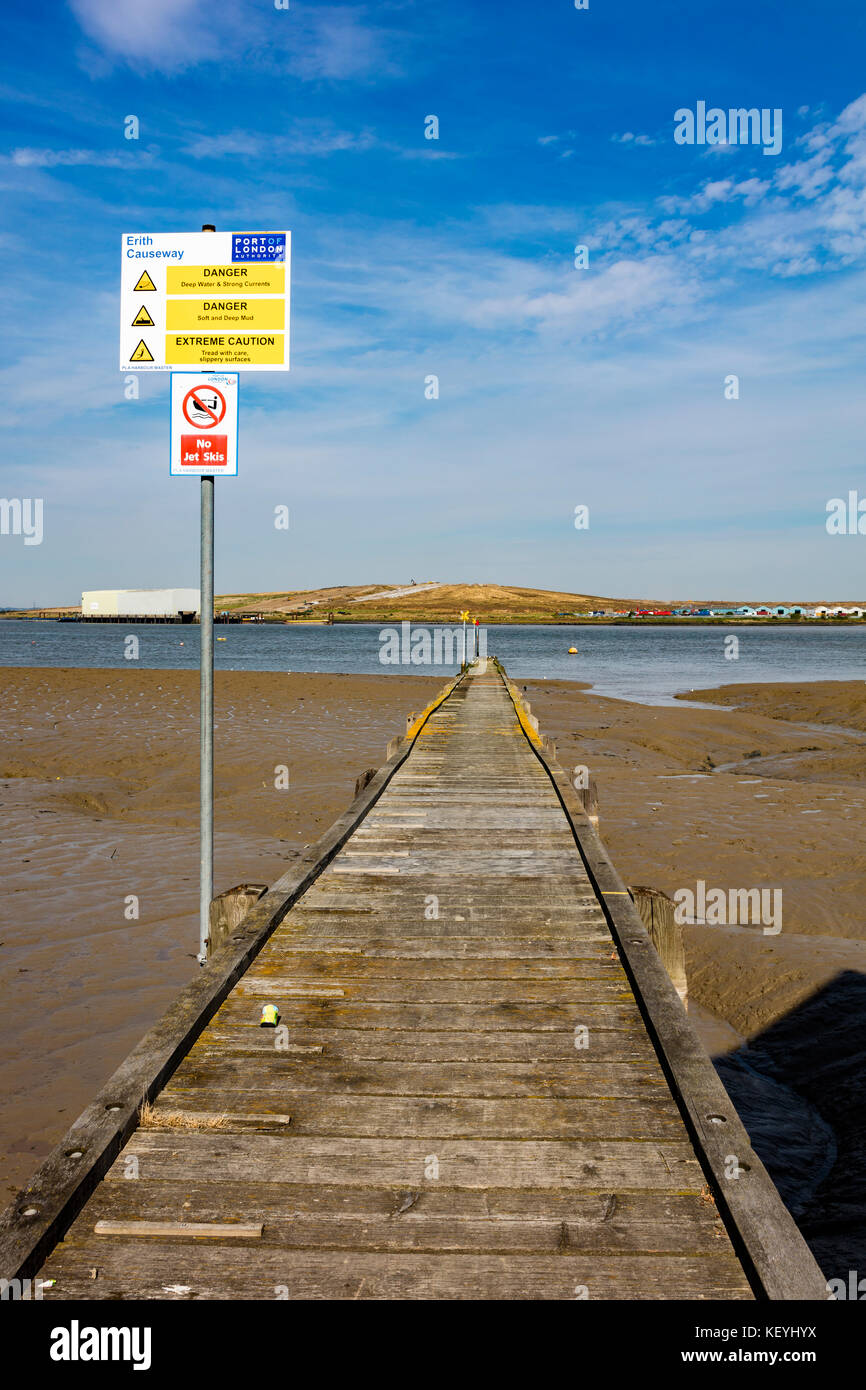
pixel 142 353
pixel 142 319
pixel 145 283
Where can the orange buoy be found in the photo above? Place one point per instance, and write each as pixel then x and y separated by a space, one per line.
pixel 572 651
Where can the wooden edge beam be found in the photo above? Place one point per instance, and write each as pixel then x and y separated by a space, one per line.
pixel 41 1213
pixel 774 1254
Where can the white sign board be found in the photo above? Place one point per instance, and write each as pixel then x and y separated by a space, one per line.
pixel 205 301
pixel 204 424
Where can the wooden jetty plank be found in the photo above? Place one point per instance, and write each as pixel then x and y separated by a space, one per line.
pixel 415 1045
pixel 437 1017
pixel 423 947
pixel 595 1165
pixel 287 1073
pixel 160 1271
pixel 566 993
pixel 491 1114
pixel 362 968
pixel 302 1216
pixel 436 1116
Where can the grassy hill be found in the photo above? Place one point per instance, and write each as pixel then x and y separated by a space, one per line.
pixel 491 603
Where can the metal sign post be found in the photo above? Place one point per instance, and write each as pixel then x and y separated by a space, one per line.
pixel 206 712
pixel 206 719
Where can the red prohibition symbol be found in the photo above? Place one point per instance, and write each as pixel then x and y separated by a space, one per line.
pixel 204 407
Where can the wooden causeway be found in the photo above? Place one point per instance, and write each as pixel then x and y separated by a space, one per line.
pixel 477 1110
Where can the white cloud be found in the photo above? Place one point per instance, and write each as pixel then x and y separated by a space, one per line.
pixel 717 191
pixel 629 138
pixel 328 43
pixel 27 158
pixel 168 35
pixel 305 137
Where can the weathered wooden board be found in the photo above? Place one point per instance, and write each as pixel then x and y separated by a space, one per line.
pixel 436 1017
pixel 355 965
pixel 436 1116
pixel 565 993
pixel 415 1045
pixel 170 1270
pixel 458 1219
pixel 265 1070
pixel 595 1166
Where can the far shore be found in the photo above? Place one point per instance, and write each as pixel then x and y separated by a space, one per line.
pixel 431 619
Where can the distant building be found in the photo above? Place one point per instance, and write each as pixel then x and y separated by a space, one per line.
pixel 139 603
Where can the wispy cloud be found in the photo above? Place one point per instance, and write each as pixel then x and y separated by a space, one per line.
pixel 26 158
pixel 325 43
pixel 305 137
pixel 166 35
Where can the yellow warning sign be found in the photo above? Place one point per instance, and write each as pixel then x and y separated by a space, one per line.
pixel 224 349
pixel 204 315
pixel 207 301
pixel 142 353
pixel 226 279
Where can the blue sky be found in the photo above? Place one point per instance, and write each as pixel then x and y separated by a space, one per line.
pixel 558 386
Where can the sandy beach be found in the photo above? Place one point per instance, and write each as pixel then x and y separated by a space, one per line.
pixel 765 790
pixel 762 786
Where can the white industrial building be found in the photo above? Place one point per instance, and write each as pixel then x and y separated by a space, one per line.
pixel 139 603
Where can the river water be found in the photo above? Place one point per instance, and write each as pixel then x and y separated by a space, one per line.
pixel 647 664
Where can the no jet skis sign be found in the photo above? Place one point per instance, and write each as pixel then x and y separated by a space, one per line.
pixel 204 301
pixel 204 424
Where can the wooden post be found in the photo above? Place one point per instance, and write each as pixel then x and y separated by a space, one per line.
pixel 365 778
pixel 656 911
pixel 588 796
pixel 228 910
